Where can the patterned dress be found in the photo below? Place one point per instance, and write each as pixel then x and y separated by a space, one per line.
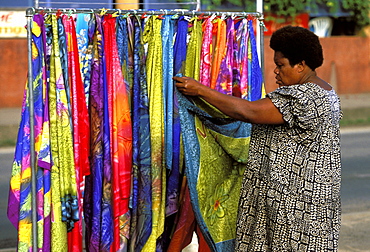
pixel 290 197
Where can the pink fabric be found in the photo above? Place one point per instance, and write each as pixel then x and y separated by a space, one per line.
pixel 206 53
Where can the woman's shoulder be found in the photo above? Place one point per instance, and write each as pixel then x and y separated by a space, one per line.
pixel 297 90
pixel 307 88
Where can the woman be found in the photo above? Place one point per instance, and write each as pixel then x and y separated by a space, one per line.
pixel 290 197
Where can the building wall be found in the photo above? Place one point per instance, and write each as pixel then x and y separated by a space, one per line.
pixel 13 67
pixel 346 67
pixel 346 64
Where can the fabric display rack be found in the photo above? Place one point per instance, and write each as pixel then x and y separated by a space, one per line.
pixel 109 155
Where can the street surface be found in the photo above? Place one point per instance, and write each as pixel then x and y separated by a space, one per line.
pixel 355 232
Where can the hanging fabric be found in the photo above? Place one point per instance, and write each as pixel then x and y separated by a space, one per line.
pixel 206 52
pixel 224 83
pixel 152 36
pixel 97 206
pixel 19 205
pixel 141 196
pixel 117 146
pixel 84 32
pixel 219 32
pixel 80 126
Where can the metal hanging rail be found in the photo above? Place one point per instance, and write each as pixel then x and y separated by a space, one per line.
pixel 197 3
pixel 82 3
pixel 256 15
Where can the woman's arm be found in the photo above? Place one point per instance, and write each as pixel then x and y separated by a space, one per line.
pixel 262 111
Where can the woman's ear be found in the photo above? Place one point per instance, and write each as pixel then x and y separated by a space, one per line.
pixel 301 66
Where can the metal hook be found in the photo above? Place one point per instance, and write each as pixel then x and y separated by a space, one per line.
pixel 70 12
pixel 103 11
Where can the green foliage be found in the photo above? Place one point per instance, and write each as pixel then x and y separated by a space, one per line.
pixel 359 10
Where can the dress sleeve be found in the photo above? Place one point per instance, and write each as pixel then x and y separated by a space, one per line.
pixel 299 105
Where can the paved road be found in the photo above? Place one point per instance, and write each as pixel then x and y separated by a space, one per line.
pixel 355 232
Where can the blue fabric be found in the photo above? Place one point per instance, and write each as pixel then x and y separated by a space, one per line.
pixel 124 36
pixel 180 45
pixel 122 39
pixel 135 116
pixel 179 52
pixel 85 28
pixel 167 41
pixel 255 74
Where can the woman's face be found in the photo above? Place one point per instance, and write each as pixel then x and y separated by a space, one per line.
pixel 285 74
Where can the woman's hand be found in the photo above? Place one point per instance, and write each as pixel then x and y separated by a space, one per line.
pixel 188 86
pixel 262 111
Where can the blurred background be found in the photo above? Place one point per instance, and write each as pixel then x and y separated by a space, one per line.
pixel 344 30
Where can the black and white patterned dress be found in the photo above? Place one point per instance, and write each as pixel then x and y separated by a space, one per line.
pixel 290 197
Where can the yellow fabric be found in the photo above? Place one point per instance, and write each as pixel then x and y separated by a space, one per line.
pixel 58 228
pixel 152 36
pixel 63 177
pixel 192 63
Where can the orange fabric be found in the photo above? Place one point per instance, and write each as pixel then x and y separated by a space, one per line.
pixel 219 51
pixel 203 245
pixel 186 225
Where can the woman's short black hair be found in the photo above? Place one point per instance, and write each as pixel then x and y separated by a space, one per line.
pixel 298 44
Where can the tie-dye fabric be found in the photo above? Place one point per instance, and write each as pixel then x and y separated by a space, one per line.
pixel 121 136
pixel 224 82
pixel 108 143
